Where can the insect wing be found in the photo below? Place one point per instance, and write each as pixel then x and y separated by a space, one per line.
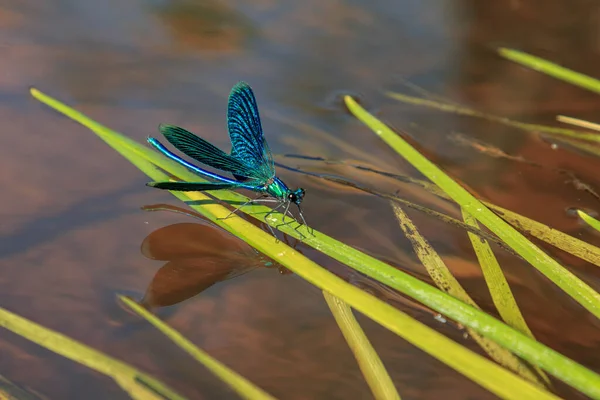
pixel 245 130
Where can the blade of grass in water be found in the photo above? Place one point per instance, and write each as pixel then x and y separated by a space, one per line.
pixel 125 375
pixel 588 219
pixel 552 69
pixel 580 291
pixel 578 122
pixel 451 108
pixel 11 391
pixel 567 281
pixel 443 278
pixel 369 362
pixel 561 240
pixel 498 285
pixel 589 148
pixel 237 383
pixel 534 352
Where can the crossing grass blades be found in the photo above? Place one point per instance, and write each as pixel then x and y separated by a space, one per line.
pixel 250 162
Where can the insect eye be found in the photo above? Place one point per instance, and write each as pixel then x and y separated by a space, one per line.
pixel 292 197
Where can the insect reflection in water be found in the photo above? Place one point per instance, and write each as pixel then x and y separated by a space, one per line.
pixel 198 255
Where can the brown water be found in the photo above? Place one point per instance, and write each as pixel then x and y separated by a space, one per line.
pixel 72 224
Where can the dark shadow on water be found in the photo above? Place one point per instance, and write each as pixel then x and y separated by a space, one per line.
pixel 197 256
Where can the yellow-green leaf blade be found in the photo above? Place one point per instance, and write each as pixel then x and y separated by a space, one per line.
pixel 368 360
pixel 567 281
pixel 588 219
pixel 125 375
pixel 552 69
pixel 236 382
pixel 498 285
pixel 443 278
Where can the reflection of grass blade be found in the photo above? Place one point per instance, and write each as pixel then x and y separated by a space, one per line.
pixel 552 69
pixel 11 391
pixel 369 362
pixel 588 219
pixel 451 108
pixel 237 383
pixel 571 284
pixel 589 148
pixel 125 375
pixel 488 375
pixel 444 279
pixel 498 285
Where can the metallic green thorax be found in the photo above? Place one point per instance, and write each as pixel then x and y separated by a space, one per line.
pixel 276 188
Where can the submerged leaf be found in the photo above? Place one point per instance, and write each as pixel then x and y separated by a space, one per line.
pixel 11 391
pixel 136 383
pixel 236 382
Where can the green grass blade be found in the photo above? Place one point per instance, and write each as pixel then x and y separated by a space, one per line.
pixel 368 360
pixel 125 375
pixel 443 278
pixel 498 285
pixel 588 219
pixel 580 291
pixel 237 383
pixel 561 240
pixel 571 284
pixel 552 69
pixel 534 352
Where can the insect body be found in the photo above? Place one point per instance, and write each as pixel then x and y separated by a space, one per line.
pixel 250 162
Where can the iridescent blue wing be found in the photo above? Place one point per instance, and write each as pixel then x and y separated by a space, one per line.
pixel 245 130
pixel 201 150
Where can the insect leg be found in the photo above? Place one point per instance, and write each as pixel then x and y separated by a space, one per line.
pixel 281 203
pixel 308 228
pixel 245 204
pixel 287 210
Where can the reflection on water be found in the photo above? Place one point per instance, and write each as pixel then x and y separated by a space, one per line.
pixel 198 256
pixel 72 226
pixel 205 26
pixel 190 269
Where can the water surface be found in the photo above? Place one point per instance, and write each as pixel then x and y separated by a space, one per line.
pixel 72 225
